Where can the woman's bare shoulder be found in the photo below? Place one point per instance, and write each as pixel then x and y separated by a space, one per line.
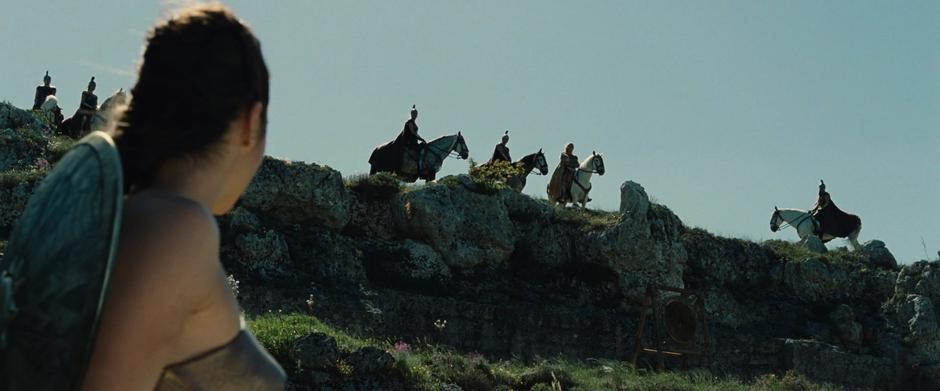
pixel 168 240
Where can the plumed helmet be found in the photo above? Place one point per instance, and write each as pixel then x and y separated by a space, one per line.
pixel 506 136
pixel 92 84
pixel 47 78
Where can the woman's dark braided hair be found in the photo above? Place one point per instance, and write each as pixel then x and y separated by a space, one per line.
pixel 200 69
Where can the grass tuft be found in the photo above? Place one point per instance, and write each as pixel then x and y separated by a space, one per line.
pixel 379 187
pixel 796 252
pixel 14 177
pixel 586 219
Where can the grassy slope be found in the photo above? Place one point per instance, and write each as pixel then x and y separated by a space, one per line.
pixel 432 367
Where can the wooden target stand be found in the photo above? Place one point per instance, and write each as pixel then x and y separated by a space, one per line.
pixel 677 323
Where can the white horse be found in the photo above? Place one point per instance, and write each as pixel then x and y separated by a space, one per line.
pixel 805 225
pixel 51 103
pixel 106 111
pixel 581 183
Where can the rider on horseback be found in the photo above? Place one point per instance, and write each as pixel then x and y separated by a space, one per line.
pixel 43 91
pixel 409 139
pixel 828 217
pixel 501 152
pixel 86 109
pixel 559 188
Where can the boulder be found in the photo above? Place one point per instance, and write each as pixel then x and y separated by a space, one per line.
pixel 917 316
pixel 641 251
pixel 409 265
pixel 921 278
pixel 265 253
pixel 369 360
pixel 633 200
pixel 468 229
pixel 524 209
pixel 299 193
pixel 815 245
pixel 315 351
pixel 879 255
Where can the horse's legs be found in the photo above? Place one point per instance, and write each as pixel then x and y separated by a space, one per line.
pixel 853 238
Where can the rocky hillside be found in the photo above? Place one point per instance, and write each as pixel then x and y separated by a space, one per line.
pixel 490 271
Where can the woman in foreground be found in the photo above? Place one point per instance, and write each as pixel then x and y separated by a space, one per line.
pixel 190 142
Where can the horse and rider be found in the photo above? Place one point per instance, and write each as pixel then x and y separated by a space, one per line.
pixel 411 157
pixel 571 181
pixel 825 221
pixel 516 179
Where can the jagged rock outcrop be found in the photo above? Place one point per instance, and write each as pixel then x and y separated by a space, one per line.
pixel 879 255
pixel 633 199
pixel 299 193
pixel 467 228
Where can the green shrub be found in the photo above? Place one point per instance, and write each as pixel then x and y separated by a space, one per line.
pixel 492 177
pixel 378 187
pixel 58 146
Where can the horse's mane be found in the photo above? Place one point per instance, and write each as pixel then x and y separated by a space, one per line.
pixel 453 136
pixel 528 158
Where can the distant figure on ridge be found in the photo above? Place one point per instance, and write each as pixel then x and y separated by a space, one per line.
pixel 80 123
pixel 559 188
pixel 833 222
pixel 46 89
pixel 501 152
pixel 409 139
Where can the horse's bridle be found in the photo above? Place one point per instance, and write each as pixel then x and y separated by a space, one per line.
pixel 788 224
pixel 594 171
pixel 534 161
pixel 438 153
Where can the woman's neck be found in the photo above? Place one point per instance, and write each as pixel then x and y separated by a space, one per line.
pixel 203 184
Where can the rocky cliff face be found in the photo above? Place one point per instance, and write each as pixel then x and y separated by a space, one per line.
pixel 514 276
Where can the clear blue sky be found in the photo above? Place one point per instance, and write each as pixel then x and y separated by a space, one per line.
pixel 721 109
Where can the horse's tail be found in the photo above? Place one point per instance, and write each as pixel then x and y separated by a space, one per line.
pixel 857 221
